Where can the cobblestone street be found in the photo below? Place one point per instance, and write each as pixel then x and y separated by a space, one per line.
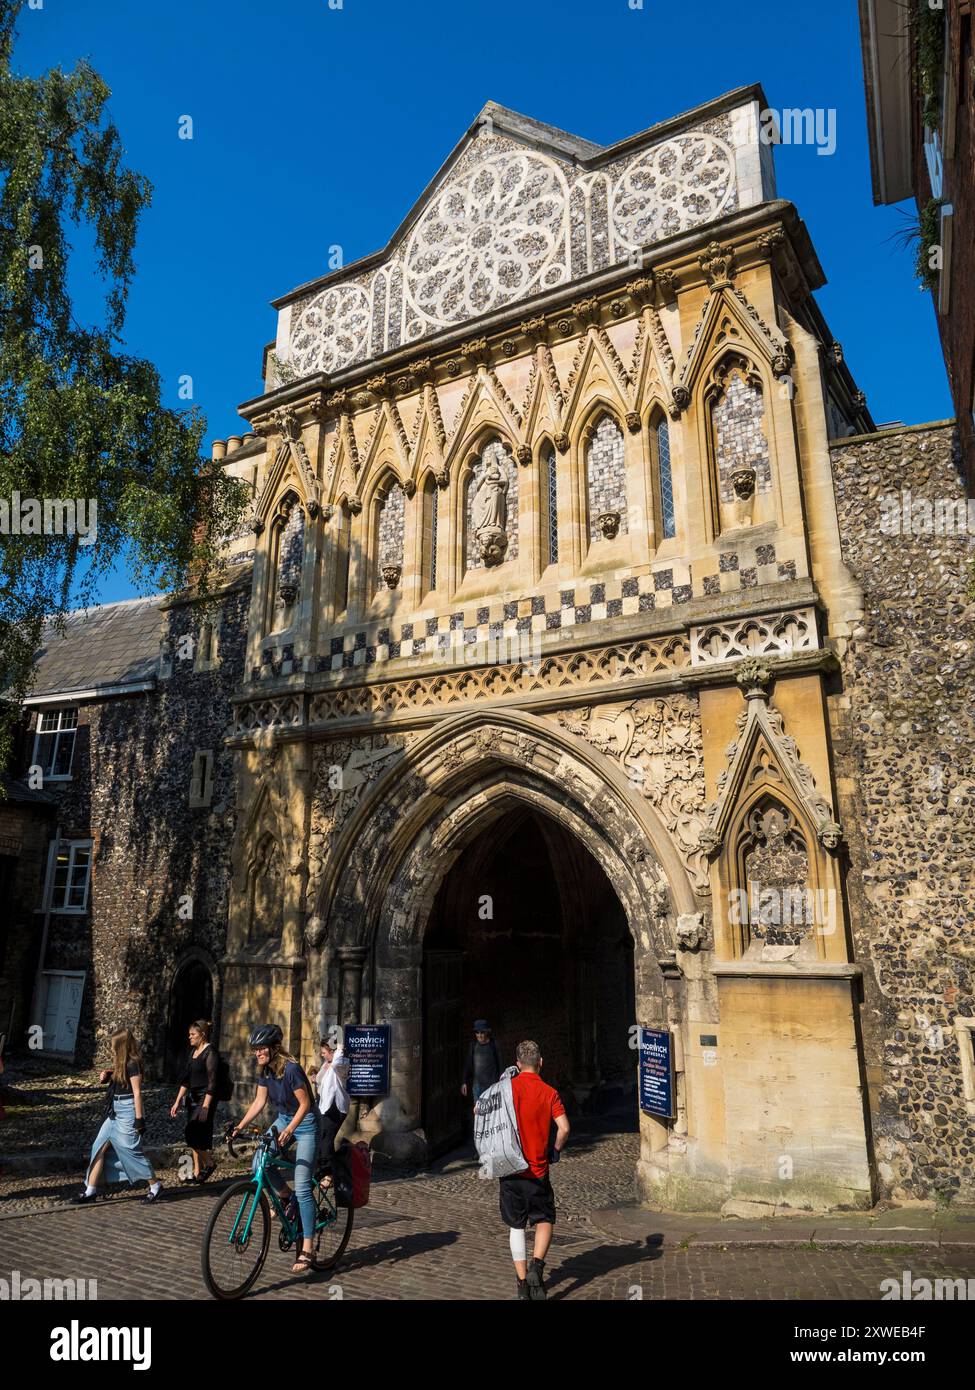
pixel 437 1235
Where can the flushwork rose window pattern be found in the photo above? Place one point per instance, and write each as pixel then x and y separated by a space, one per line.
pixel 509 222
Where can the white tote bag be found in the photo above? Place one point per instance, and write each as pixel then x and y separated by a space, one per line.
pixel 496 1130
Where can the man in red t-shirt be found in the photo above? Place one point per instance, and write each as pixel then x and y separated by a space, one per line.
pixel 527 1198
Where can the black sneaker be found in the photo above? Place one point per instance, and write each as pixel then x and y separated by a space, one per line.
pixel 522 1286
pixel 151 1197
pixel 536 1281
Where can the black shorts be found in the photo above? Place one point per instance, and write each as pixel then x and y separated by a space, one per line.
pixel 526 1200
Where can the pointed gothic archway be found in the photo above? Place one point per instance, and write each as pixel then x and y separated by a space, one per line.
pixel 527 932
pixel 451 787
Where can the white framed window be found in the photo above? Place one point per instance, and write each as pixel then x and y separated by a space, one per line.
pixel 54 741
pixel 70 875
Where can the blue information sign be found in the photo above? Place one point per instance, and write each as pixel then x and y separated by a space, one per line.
pixel 657 1072
pixel 367 1050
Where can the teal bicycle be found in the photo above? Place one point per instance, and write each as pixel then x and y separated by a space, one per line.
pixel 238 1234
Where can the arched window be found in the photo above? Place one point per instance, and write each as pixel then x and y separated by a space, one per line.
pixel 606 480
pixel 390 533
pixel 431 510
pixel 550 508
pixel 491 507
pixel 343 532
pixel 740 443
pixel 663 481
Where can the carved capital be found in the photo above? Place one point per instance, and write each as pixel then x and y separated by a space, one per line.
pixel 743 481
pixel 754 676
pixel 535 330
pixel 717 263
pixel 770 241
pixel 609 524
pixel 378 385
pixel 476 351
pixel 587 310
pixel 668 284
pixel 641 290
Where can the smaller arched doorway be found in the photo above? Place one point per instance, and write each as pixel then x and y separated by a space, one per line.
pixel 527 932
pixel 191 997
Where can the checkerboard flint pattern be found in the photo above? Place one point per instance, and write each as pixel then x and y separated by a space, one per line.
pixel 561 609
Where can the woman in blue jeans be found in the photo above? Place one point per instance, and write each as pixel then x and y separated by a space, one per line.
pixel 281 1080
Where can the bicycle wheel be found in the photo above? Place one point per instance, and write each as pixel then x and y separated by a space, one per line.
pixel 333 1228
pixel 231 1260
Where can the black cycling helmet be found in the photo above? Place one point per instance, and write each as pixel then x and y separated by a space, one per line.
pixel 266 1035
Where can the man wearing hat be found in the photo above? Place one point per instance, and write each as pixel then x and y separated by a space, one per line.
pixel 483 1067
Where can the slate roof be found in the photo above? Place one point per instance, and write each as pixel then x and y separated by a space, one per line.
pixel 113 644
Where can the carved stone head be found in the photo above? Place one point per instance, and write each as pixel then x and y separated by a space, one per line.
pixel 609 524
pixel 743 481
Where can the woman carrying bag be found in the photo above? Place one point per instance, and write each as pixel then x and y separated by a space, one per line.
pixel 117 1151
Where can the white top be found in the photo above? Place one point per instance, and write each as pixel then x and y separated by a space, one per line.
pixel 330 1082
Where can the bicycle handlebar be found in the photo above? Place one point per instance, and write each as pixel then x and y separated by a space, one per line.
pixel 269 1138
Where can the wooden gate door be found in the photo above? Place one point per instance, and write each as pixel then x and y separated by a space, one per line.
pixel 443 1063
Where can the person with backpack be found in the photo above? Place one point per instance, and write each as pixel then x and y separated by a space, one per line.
pixel 483 1066
pixel 282 1081
pixel 117 1152
pixel 199 1089
pixel 526 1198
pixel 333 1101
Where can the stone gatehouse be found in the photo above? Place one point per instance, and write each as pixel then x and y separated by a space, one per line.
pixel 567 671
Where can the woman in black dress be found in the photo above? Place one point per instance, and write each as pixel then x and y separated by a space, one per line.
pixel 199 1084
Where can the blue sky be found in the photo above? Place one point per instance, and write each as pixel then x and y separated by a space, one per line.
pixel 316 126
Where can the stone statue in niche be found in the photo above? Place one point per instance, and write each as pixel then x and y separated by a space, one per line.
pixel 266 892
pixel 489 511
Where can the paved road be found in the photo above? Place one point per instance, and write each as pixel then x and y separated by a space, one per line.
pixel 439 1236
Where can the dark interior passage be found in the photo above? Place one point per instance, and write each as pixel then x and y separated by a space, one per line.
pixel 527 932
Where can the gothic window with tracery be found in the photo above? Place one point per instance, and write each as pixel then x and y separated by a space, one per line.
pixel 550 510
pixel 664 480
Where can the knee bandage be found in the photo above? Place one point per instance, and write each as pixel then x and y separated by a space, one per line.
pixel 517 1241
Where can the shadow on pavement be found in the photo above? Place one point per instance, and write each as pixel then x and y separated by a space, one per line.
pixel 575 1272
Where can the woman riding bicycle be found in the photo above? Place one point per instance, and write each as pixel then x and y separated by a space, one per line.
pixel 281 1080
